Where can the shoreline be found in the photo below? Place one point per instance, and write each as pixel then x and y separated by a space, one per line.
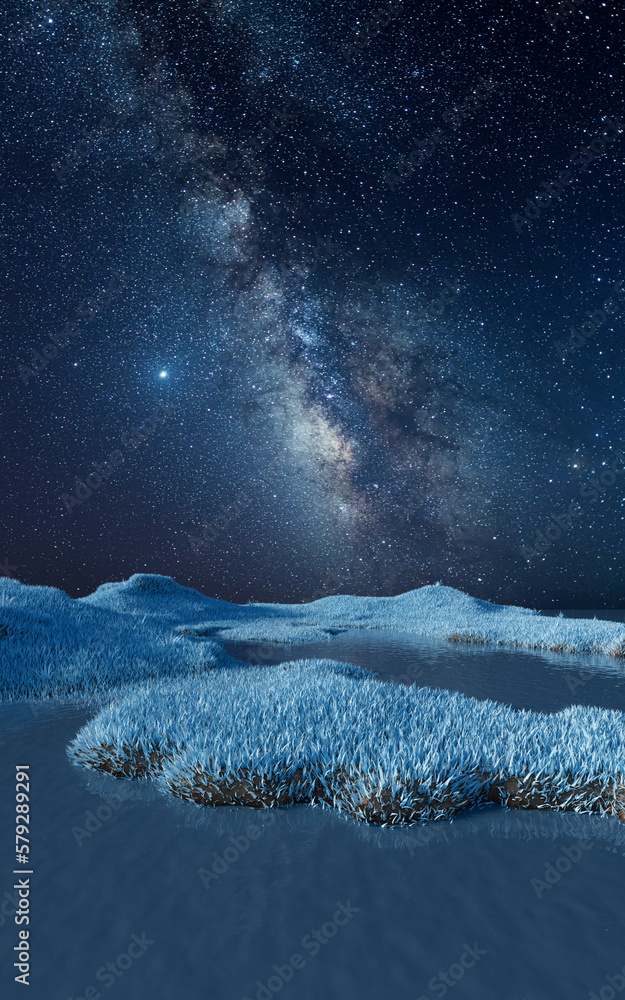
pixel 360 795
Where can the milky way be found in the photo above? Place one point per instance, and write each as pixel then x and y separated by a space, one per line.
pixel 295 228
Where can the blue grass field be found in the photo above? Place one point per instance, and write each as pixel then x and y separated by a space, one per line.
pixel 432 610
pixel 150 626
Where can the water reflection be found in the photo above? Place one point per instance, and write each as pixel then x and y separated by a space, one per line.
pixel 537 680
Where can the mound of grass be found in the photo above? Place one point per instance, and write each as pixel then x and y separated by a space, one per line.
pixel 431 610
pixel 54 647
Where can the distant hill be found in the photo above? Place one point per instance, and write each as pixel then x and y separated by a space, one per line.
pixel 151 626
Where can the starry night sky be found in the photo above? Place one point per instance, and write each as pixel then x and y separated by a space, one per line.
pixel 313 333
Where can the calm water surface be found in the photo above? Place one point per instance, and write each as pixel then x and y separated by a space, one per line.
pixel 541 681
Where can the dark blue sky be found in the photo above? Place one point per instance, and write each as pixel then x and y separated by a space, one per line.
pixel 288 292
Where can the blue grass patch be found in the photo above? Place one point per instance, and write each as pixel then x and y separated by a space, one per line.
pixel 52 646
pixel 333 735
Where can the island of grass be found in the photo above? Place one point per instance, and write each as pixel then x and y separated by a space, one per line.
pixel 325 733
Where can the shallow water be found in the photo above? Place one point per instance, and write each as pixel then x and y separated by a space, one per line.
pixel 417 896
pixel 540 681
